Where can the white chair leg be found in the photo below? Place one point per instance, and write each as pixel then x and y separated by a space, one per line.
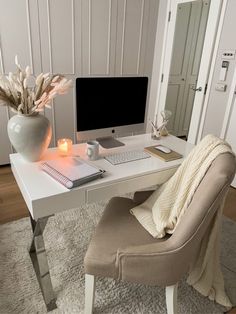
pixel 90 282
pixel 171 299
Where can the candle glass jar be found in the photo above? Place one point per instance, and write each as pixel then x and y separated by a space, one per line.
pixel 64 146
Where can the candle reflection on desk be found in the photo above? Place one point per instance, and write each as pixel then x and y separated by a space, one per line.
pixel 64 146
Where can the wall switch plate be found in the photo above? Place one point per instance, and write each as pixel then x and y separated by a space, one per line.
pixel 221 87
pixel 228 54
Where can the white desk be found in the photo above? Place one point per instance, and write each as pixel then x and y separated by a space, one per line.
pixel 45 197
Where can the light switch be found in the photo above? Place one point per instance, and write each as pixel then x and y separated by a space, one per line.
pixel 221 87
pixel 223 70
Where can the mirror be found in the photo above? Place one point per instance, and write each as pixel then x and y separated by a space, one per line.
pixel 189 37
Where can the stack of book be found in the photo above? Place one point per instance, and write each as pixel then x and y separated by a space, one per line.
pixel 71 171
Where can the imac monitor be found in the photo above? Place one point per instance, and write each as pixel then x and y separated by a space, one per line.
pixel 110 106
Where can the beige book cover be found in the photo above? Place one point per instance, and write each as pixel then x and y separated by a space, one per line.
pixel 173 155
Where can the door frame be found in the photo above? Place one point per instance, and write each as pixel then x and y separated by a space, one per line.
pixel 213 29
pixel 229 107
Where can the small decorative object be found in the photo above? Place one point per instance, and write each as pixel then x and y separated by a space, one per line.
pixel 158 131
pixel 64 146
pixel 166 114
pixel 28 131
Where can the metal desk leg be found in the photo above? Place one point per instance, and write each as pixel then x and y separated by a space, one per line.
pixel 40 263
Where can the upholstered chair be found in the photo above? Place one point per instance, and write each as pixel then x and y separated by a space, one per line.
pixel 122 249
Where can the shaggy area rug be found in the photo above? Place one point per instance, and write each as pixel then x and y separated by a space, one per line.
pixel 66 238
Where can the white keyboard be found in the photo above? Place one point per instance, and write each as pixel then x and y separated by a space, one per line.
pixel 120 158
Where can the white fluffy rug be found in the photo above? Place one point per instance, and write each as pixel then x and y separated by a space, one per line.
pixel 66 238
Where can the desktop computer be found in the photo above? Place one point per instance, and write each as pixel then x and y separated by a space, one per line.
pixel 107 107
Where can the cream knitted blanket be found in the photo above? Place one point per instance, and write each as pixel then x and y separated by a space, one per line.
pixel 162 211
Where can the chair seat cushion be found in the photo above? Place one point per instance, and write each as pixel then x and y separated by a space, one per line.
pixel 117 229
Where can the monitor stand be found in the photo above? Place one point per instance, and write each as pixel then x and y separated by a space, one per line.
pixel 109 142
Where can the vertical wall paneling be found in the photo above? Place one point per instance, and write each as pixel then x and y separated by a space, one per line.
pixel 112 37
pixel 76 38
pixel 144 36
pixel 140 36
pixel 85 36
pixel 123 37
pixel 44 35
pixel 121 7
pixel 64 115
pixel 1 59
pixel 151 8
pixel 100 36
pixel 78 54
pixel 35 38
pixel 15 40
pixel 61 34
pixel 149 29
pixel 50 113
pixel 5 147
pixel 131 41
pixel 109 38
pixel 29 35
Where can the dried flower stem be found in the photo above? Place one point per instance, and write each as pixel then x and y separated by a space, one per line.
pixel 23 97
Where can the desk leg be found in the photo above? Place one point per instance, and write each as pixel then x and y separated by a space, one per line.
pixel 39 260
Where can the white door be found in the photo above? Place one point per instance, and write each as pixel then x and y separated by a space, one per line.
pixel 211 28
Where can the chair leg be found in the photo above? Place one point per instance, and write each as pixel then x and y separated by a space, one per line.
pixel 90 282
pixel 171 299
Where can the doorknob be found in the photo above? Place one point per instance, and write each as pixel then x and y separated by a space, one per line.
pixel 199 89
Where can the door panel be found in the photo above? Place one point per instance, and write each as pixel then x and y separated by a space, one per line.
pixel 174 93
pixel 188 42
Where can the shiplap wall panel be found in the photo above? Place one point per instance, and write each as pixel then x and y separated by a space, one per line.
pixel 61 32
pixel 64 116
pixel 86 37
pixel 46 65
pixel 78 36
pixel 35 36
pixel 133 21
pixel 44 35
pixel 15 33
pixel 150 20
pixel 5 146
pixel 100 36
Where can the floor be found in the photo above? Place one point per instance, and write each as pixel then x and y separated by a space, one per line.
pixel 12 205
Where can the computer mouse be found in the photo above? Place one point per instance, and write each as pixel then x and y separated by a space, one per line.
pixel 163 149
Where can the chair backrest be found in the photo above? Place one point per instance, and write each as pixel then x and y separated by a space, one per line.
pixel 199 215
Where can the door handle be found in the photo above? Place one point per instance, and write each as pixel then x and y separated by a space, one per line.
pixel 199 89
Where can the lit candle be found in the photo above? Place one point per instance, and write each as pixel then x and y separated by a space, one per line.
pixel 64 146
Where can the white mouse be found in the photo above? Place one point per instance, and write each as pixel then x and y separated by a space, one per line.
pixel 163 149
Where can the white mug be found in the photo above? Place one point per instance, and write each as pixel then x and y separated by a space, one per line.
pixel 92 150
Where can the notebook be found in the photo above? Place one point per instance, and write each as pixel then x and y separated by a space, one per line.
pixel 71 171
pixel 164 156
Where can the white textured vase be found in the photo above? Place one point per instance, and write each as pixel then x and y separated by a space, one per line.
pixel 30 135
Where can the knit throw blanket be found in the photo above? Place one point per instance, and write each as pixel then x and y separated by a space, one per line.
pixel 162 211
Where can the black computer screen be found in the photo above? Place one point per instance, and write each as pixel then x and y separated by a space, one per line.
pixel 104 102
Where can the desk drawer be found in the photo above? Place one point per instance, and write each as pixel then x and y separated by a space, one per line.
pixel 130 185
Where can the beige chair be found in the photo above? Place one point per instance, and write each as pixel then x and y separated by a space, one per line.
pixel 122 249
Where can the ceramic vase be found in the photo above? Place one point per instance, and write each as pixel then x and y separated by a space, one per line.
pixel 30 135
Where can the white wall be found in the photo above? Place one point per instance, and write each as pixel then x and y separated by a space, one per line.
pixel 218 100
pixel 75 38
